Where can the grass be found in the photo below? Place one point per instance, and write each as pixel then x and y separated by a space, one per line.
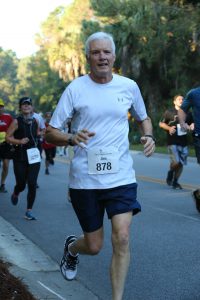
pixel 160 149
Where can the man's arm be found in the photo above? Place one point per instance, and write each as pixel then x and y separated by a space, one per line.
pixel 147 138
pixel 165 121
pixel 56 136
pixel 182 117
pixel 171 129
pixel 145 126
pixel 59 138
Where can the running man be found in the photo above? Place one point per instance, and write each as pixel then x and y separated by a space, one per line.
pixel 176 142
pixel 102 177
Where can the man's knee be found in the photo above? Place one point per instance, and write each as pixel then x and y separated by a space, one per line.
pixel 94 248
pixel 94 244
pixel 120 240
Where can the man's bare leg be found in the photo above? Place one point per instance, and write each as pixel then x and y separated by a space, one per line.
pixel 90 243
pixel 121 253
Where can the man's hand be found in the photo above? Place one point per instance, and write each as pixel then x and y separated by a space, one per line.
pixel 149 145
pixel 172 130
pixel 192 127
pixel 185 126
pixel 81 137
pixel 58 138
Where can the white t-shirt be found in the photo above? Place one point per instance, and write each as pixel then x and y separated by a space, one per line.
pixel 103 109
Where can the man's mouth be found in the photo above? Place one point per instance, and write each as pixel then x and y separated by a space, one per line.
pixel 103 65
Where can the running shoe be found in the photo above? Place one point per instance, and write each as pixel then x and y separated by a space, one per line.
pixel 196 199
pixel 3 189
pixel 29 216
pixel 14 199
pixel 176 185
pixel 68 264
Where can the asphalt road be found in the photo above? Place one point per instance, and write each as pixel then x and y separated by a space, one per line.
pixel 165 240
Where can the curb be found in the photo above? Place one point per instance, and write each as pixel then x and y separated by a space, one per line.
pixel 37 270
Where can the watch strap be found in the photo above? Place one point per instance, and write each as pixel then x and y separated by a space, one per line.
pixel 151 136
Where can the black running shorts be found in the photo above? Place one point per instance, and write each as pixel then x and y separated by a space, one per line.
pixel 90 205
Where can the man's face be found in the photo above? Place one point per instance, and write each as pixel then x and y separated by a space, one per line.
pixel 178 101
pixel 101 60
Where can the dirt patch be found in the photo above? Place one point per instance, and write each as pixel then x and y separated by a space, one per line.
pixel 12 288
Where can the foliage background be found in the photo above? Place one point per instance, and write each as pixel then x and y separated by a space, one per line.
pixel 157 42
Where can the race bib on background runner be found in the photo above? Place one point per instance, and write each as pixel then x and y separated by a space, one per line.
pixel 33 155
pixel 180 131
pixel 103 160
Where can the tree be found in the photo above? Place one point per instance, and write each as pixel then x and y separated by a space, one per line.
pixel 38 81
pixel 8 79
pixel 157 44
pixel 60 39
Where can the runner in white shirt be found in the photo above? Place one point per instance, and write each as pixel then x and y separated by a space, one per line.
pixel 102 177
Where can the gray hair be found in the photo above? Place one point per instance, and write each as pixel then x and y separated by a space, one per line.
pixel 99 36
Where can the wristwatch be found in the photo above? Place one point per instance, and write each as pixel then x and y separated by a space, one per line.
pixel 151 136
pixel 70 141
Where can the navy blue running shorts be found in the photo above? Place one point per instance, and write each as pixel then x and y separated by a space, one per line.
pixel 90 205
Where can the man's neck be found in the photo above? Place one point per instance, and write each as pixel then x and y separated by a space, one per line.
pixel 101 80
pixel 177 107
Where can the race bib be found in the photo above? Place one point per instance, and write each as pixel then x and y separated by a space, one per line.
pixel 103 160
pixel 180 131
pixel 33 156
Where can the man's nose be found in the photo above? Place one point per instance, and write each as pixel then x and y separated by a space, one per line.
pixel 101 55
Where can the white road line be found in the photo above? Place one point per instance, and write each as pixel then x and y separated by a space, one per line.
pixel 50 290
pixel 174 213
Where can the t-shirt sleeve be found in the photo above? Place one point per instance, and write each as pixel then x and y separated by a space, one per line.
pixel 138 109
pixel 64 110
pixel 167 117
